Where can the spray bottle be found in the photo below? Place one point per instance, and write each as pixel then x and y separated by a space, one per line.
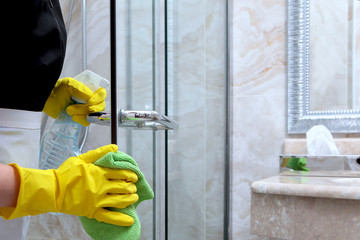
pixel 65 138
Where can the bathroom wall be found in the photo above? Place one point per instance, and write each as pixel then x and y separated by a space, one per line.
pixel 259 100
pixel 259 80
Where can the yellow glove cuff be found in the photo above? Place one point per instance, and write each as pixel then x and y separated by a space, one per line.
pixel 36 195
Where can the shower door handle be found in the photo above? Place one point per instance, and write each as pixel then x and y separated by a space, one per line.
pixel 145 120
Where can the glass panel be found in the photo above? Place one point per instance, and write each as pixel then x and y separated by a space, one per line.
pixel 196 59
pixel 137 86
pixel 171 57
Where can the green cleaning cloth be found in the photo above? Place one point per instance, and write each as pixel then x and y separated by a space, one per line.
pixel 104 231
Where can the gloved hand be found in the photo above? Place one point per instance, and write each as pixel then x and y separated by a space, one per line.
pixel 77 187
pixel 60 96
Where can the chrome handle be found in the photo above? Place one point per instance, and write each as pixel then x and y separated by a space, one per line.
pixel 146 120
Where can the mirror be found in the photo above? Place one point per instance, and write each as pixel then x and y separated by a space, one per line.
pixel 324 65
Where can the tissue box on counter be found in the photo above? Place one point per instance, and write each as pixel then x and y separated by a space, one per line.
pixel 322 154
pixel 324 163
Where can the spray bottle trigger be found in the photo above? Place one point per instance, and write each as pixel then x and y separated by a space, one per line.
pixel 78 100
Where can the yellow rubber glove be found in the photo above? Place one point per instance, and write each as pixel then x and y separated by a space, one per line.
pixel 77 187
pixel 60 98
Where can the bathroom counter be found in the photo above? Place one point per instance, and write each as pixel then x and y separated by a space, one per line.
pixel 324 184
pixel 312 205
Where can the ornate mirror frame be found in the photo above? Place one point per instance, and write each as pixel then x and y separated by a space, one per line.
pixel 300 118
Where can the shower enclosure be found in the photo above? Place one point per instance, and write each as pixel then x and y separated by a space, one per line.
pixel 170 56
pixel 172 59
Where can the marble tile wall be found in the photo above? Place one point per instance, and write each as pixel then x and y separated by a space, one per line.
pixel 259 100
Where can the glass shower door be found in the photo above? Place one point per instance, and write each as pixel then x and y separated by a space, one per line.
pixel 197 87
pixel 171 58
pixel 139 76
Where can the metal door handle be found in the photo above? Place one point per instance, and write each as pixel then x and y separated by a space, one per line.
pixel 146 120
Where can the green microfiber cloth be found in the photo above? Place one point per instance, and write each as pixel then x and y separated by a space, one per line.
pixel 104 231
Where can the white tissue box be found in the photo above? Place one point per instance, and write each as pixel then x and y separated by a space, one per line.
pixel 326 163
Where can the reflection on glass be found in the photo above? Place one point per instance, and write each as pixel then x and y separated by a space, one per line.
pixel 334 55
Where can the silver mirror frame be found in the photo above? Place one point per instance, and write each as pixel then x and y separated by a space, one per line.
pixel 300 118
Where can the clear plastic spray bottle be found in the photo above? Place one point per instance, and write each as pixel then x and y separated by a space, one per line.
pixel 65 137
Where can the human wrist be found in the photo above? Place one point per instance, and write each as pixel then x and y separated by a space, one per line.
pixel 36 193
pixel 9 185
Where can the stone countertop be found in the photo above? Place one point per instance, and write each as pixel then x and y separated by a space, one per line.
pixel 324 184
